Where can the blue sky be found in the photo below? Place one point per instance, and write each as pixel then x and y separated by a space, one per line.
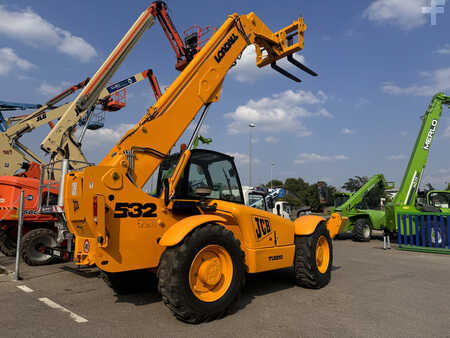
pixel 379 63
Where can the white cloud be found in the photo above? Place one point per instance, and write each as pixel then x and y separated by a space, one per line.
pixel 445 50
pixel 347 131
pixel 204 129
pixel 247 71
pixel 438 80
pixel 104 138
pixel 407 14
pixel 312 158
pixel 243 158
pixel 9 61
pixel 280 112
pixel 396 157
pixel 34 30
pixel 272 139
pixel 52 90
pixel 403 133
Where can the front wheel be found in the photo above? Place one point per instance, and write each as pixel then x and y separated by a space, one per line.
pixel 32 243
pixel 313 258
pixel 201 278
pixel 362 230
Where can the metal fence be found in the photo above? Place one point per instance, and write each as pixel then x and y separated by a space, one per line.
pixel 424 232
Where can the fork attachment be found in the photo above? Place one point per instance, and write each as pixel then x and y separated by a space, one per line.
pixel 273 47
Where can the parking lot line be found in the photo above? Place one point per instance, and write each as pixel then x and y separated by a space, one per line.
pixel 25 288
pixel 56 306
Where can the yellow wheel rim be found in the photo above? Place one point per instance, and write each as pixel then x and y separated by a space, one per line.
pixel 322 254
pixel 211 273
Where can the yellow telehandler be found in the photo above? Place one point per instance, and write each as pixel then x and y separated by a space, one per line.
pixel 195 232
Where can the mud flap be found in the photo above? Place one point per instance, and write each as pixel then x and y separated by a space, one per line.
pixel 335 224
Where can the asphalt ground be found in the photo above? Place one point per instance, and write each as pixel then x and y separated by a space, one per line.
pixel 373 293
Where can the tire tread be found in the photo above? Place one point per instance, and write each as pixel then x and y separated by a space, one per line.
pixel 171 280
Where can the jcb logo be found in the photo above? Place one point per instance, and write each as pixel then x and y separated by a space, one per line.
pixel 41 117
pixel 262 227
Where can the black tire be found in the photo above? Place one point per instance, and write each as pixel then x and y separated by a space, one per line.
pixel 129 281
pixel 362 230
pixel 7 244
pixel 31 242
pixel 174 268
pixel 306 271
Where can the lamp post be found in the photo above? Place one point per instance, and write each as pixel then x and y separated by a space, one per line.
pixel 271 174
pixel 251 125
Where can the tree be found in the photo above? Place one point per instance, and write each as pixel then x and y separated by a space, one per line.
pixel 300 193
pixel 299 188
pixel 371 200
pixel 448 186
pixel 429 186
pixel 274 184
pixel 354 184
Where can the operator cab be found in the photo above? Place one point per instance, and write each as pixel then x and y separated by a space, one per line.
pixel 439 199
pixel 207 175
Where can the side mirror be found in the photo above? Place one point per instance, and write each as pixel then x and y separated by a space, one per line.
pixel 166 191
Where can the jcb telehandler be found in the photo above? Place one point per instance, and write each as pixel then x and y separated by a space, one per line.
pixel 195 232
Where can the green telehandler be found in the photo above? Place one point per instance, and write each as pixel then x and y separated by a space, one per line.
pixel 361 219
pixel 421 220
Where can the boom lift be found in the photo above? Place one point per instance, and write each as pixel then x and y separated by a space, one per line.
pixel 40 226
pixel 406 201
pixel 18 156
pixel 196 232
pixel 361 220
pixel 184 54
pixel 12 106
pixel 15 154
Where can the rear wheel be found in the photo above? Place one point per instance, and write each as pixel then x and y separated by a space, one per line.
pixel 201 278
pixel 32 243
pixel 313 258
pixel 362 230
pixel 7 243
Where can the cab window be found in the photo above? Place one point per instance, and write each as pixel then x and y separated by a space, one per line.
pixel 213 171
pixel 256 200
pixel 440 199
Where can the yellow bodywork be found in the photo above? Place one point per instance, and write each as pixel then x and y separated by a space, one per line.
pixel 115 236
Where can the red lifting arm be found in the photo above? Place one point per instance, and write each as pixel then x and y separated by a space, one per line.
pixel 154 83
pixel 159 10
